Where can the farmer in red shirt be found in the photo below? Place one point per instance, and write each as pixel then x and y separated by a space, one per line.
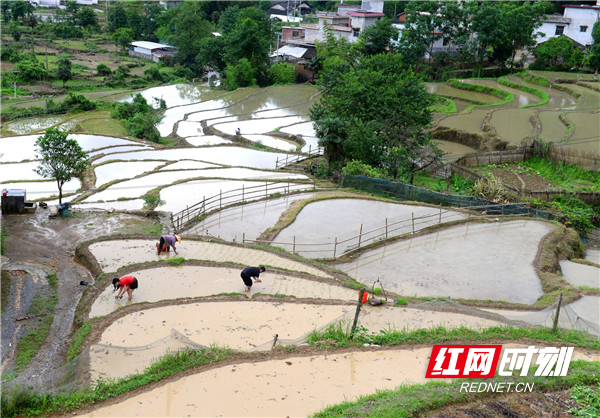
pixel 125 284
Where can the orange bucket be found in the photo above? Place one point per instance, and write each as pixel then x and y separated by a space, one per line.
pixel 365 297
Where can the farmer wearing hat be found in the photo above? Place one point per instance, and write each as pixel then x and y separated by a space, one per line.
pixel 168 241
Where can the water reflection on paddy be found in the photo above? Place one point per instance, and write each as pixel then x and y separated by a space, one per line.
pixel 19 148
pixel 19 171
pixel 29 125
pixel 181 195
pixel 208 114
pixel 250 219
pixel 43 189
pixel 466 261
pixel 188 165
pixel 237 156
pixel 177 94
pixel 112 150
pixel 123 170
pixel 185 129
pixel 323 221
pixel 171 116
pixel 133 204
pixel 270 141
pixel 588 100
pixel 139 186
pixel 205 140
pixel 521 98
pixel 274 97
pixel 581 274
pixel 258 126
pixel 303 129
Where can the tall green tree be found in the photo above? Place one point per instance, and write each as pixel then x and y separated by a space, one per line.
pixel 486 30
pixel 372 108
pixel 520 22
pixel 558 54
pixel 123 37
pixel 60 158
pixel 116 17
pixel 251 38
pixel 64 70
pixel 422 28
pixel 594 61
pixel 377 38
pixel 86 18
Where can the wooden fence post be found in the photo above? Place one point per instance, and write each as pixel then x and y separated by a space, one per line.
pixel 187 210
pixel 440 214
pixel 334 247
pixel 294 246
pixel 386 228
pixel 242 193
pixel 555 323
pixel 220 199
pixel 360 235
pixel 309 147
pixel 243 237
pixel 358 306
pixel 277 162
pixel 266 190
pixel 412 215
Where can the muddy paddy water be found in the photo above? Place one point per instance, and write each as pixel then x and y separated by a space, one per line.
pixel 323 221
pixel 130 344
pixel 112 255
pixel 250 219
pixel 176 282
pixel 296 386
pixel 467 261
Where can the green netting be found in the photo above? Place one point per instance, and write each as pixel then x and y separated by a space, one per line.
pixel 401 191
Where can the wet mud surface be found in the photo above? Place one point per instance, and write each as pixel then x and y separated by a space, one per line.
pixel 39 246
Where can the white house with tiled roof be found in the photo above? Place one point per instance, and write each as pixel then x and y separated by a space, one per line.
pixel 576 22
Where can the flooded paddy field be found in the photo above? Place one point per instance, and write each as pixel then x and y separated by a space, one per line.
pixel 43 189
pixel 323 221
pixel 552 128
pixel 296 386
pixel 19 171
pixel 466 261
pixel 182 195
pixel 114 254
pixel 521 98
pixel 243 325
pixel 227 155
pixel 446 90
pixel 117 171
pixel 593 256
pixel 452 149
pixel 198 281
pixel 581 274
pixel 250 219
pixel 513 125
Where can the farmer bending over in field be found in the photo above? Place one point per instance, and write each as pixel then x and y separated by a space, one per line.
pixel 125 284
pixel 167 241
pixel 251 272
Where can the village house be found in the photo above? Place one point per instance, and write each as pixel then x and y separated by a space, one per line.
pixel 151 50
pixel 576 23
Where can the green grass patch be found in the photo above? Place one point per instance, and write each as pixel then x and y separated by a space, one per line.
pixel 176 261
pixel 31 342
pixel 438 335
pixel 5 284
pixel 401 301
pixel 153 229
pixel 544 98
pixel 78 339
pixel 443 105
pixel 587 399
pixel 506 96
pixel 415 400
pixel 567 176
